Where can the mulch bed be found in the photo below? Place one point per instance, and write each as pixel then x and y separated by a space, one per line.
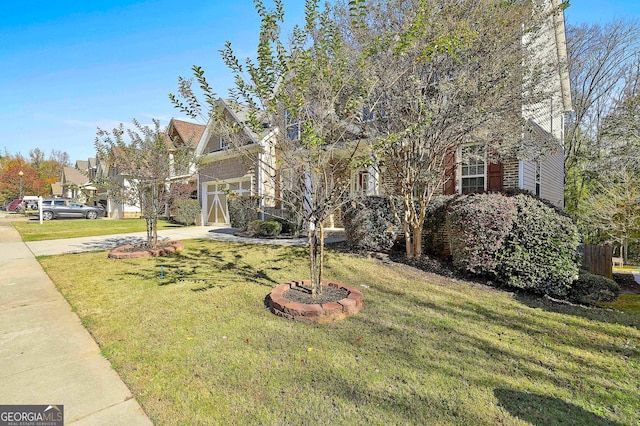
pixel 627 282
pixel 302 294
pixel 137 251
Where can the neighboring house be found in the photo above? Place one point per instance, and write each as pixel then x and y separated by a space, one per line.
pixel 538 169
pixel 75 182
pixel 178 132
pixel 115 206
pixel 184 133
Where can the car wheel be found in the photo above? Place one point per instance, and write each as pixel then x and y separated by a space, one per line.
pixel 47 215
pixel 92 214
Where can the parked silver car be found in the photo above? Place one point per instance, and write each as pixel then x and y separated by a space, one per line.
pixel 58 208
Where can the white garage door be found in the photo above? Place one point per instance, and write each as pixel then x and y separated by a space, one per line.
pixel 216 198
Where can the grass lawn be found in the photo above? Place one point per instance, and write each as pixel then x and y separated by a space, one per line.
pixel 199 347
pixel 626 302
pixel 32 230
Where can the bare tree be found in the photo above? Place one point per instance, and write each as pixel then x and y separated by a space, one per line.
pixel 614 210
pixel 619 133
pixel 143 161
pixel 599 59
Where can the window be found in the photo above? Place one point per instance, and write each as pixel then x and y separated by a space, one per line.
pixel 473 169
pixel 293 127
pixel 360 182
pixel 223 143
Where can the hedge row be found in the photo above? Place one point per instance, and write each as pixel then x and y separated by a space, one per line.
pixel 518 241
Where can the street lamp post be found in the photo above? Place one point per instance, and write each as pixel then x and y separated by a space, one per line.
pixel 20 174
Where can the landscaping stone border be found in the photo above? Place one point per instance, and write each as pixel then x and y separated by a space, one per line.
pixel 130 252
pixel 315 313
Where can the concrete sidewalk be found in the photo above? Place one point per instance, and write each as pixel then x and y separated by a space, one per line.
pixel 47 356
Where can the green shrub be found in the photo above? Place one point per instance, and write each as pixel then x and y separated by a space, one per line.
pixel 479 226
pixel 435 225
pixel 243 210
pixel 369 223
pixel 518 241
pixel 291 222
pixel 263 228
pixel 186 211
pixel 541 253
pixel 589 289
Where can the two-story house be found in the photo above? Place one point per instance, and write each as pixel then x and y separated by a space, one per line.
pixel 537 166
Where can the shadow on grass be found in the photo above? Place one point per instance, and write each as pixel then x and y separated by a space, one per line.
pixel 611 316
pixel 208 268
pixel 445 269
pixel 545 410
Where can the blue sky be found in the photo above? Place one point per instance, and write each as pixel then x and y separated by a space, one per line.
pixel 71 66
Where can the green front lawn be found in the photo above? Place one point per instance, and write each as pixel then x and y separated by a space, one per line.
pixel 199 347
pixel 32 230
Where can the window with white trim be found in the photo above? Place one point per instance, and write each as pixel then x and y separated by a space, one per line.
pixel 360 182
pixel 472 169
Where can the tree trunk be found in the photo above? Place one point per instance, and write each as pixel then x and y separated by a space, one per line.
pixel 408 241
pixel 417 241
pixel 148 222
pixel 316 255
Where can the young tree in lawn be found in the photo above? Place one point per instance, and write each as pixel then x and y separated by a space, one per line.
pixel 144 161
pixel 308 93
pixel 447 73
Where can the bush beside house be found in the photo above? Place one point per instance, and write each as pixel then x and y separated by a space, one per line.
pixel 479 226
pixel 265 228
pixel 518 241
pixel 243 210
pixel 542 251
pixel 186 211
pixel 369 223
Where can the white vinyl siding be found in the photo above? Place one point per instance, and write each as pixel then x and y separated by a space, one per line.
pixel 528 176
pixel 552 179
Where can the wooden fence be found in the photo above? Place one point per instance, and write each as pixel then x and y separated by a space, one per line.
pixel 597 259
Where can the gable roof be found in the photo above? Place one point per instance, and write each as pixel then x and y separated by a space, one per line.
pixel 189 133
pixel 238 113
pixel 82 164
pixel 71 175
pixel 56 189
